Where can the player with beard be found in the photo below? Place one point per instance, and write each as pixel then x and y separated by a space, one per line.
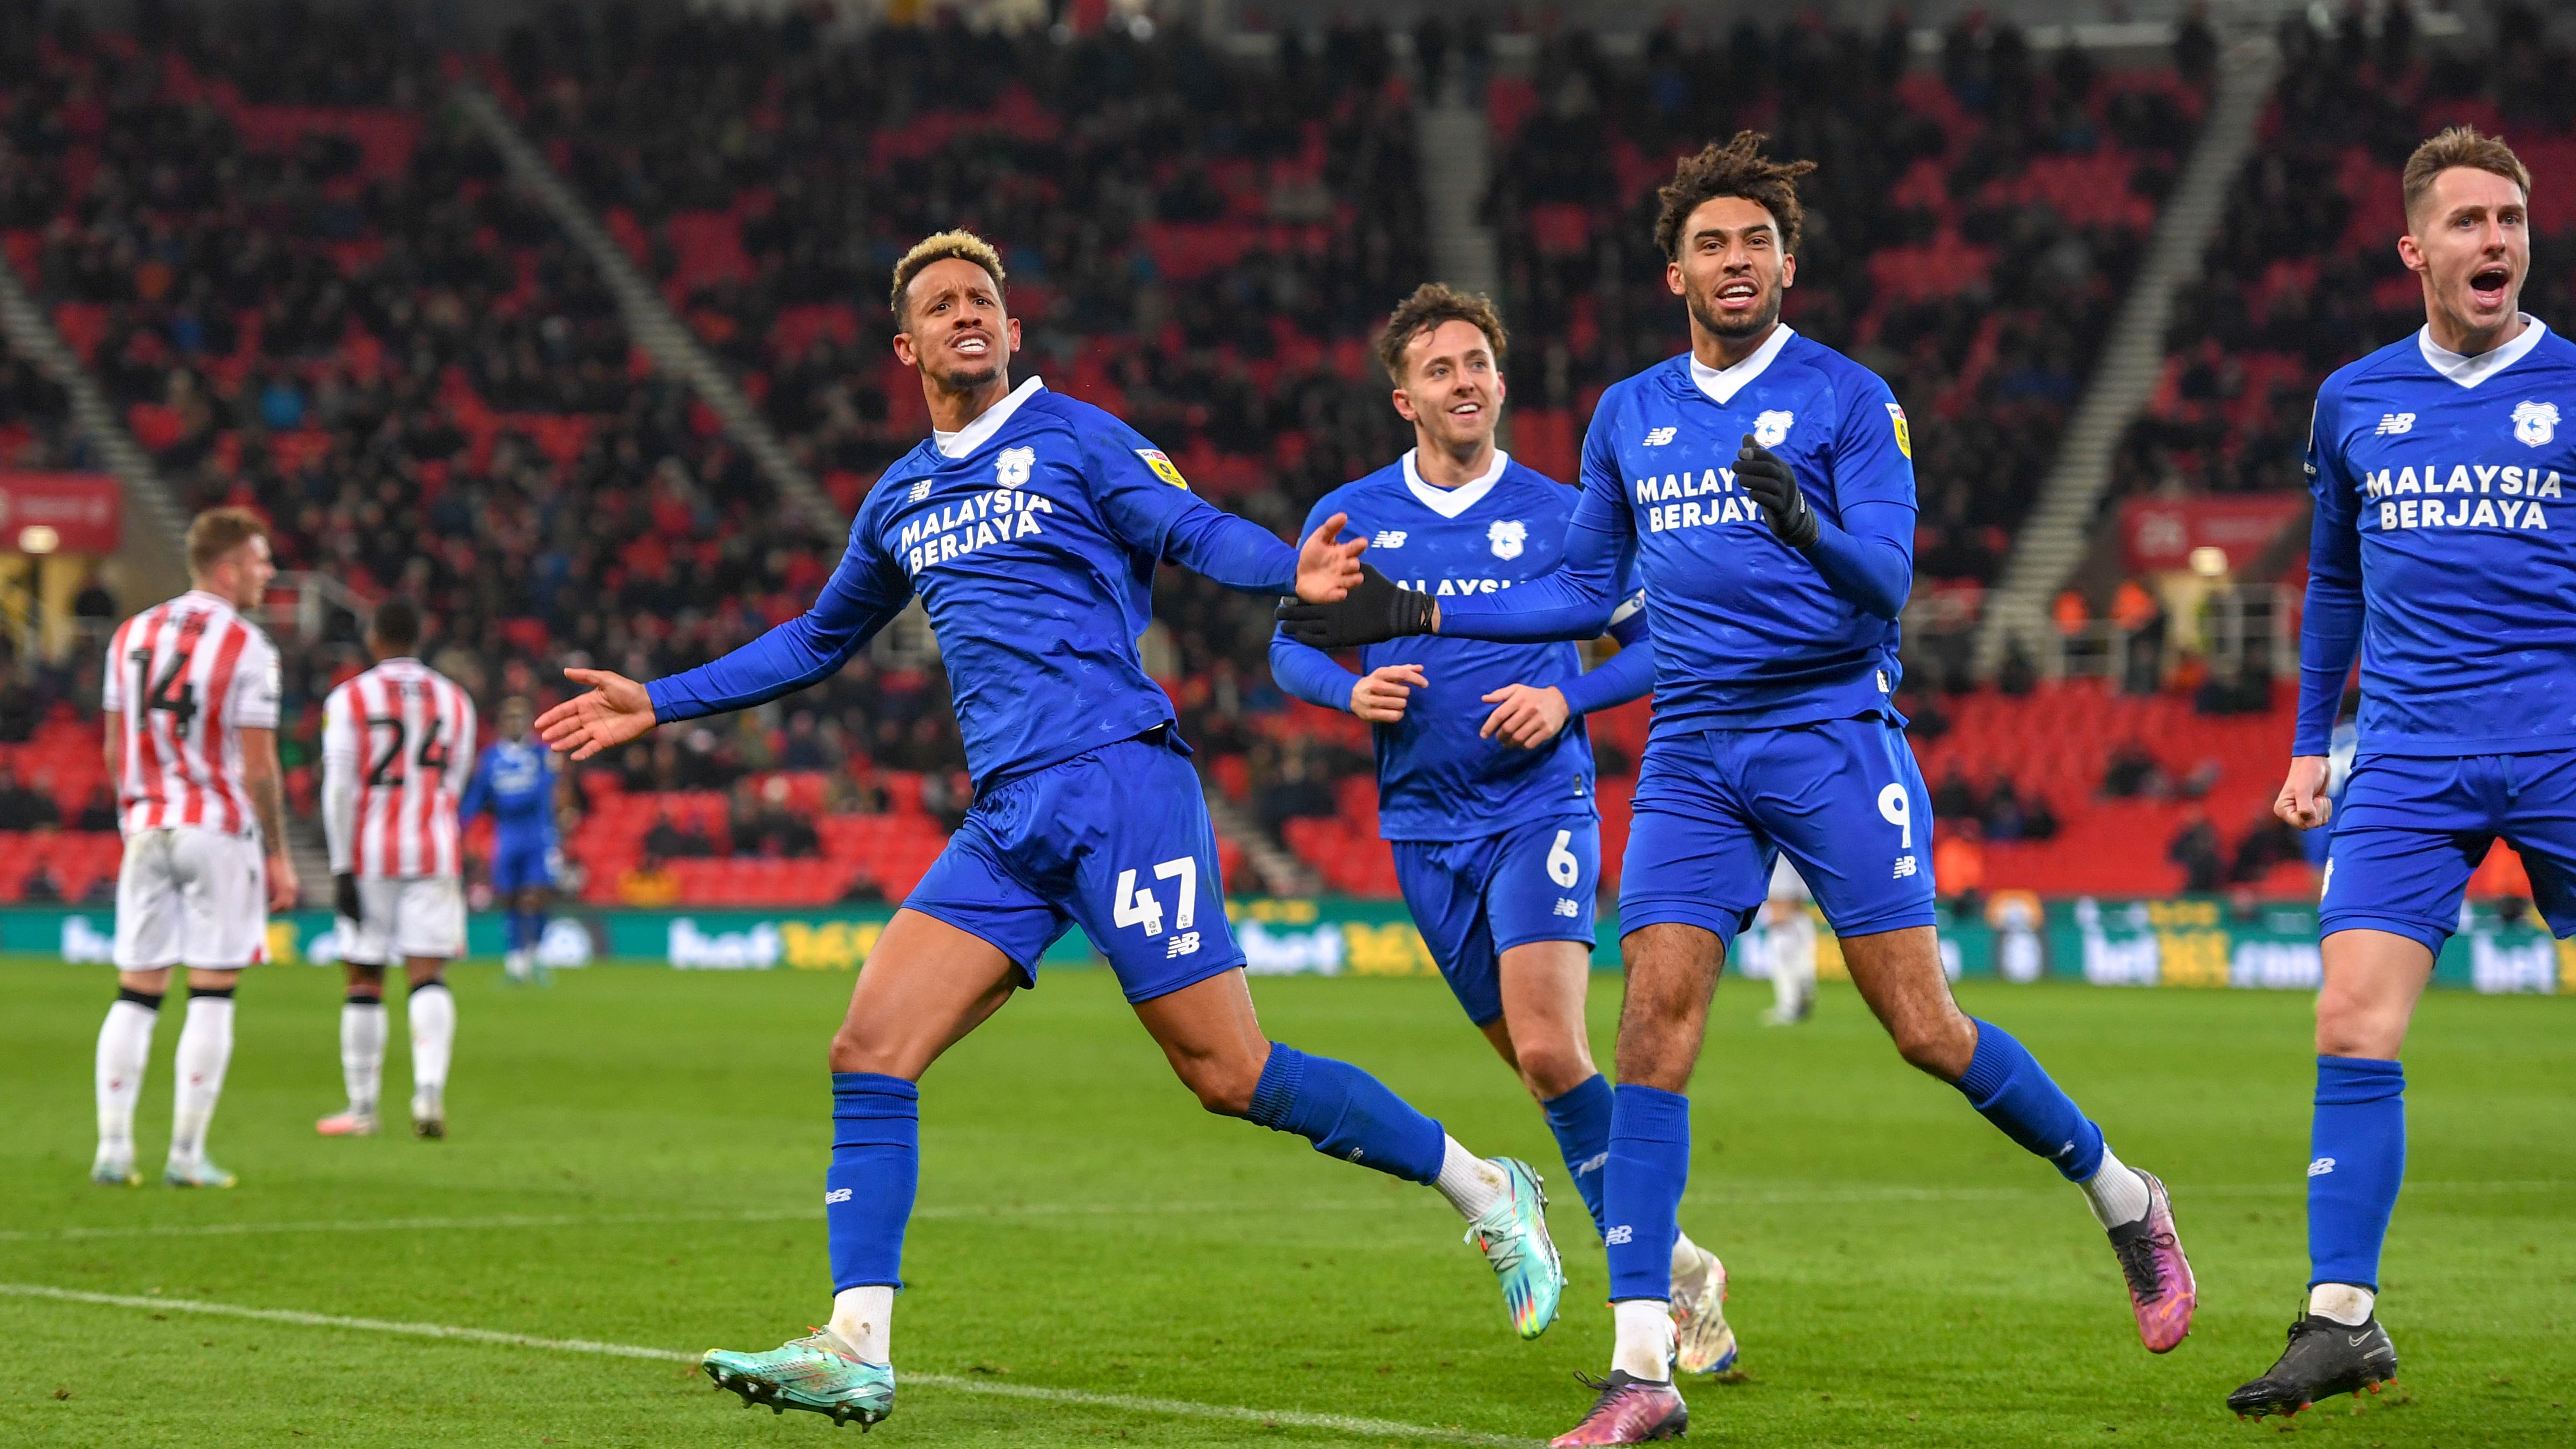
pixel 1763 485
pixel 1031 525
pixel 2439 465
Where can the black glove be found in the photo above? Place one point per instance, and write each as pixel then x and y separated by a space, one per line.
pixel 1374 611
pixel 344 895
pixel 1767 476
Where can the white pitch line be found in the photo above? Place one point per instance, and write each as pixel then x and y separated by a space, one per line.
pixel 1715 1197
pixel 1132 1403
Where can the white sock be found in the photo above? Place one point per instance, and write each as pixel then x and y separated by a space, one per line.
pixel 514 963
pixel 2116 1193
pixel 1471 1184
pixel 433 1038
pixel 2342 1302
pixel 1690 1261
pixel 1645 1348
pixel 124 1050
pixel 362 1054
pixel 205 1049
pixel 863 1319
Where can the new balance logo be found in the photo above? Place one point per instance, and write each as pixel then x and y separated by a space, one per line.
pixel 2395 423
pixel 1659 437
pixel 921 490
pixel 1619 1235
pixel 1389 538
pixel 1184 944
pixel 1904 867
pixel 2321 1167
pixel 838 1194
pixel 1563 907
pixel 1594 1163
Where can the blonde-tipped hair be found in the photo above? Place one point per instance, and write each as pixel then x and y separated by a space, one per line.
pixel 965 246
pixel 2461 146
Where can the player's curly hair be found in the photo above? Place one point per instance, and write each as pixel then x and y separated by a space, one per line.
pixel 1737 168
pixel 2461 146
pixel 965 246
pixel 1432 304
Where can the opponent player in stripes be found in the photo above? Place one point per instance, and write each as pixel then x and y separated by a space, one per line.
pixel 1484 767
pixel 397 744
pixel 191 706
pixel 2440 465
pixel 1764 487
pixel 1031 526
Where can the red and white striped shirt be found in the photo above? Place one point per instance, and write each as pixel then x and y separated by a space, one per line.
pixel 397 749
pixel 184 679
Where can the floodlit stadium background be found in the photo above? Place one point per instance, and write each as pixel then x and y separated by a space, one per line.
pixel 567 321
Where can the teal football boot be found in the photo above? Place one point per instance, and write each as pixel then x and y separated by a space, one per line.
pixel 1513 1235
pixel 821 1373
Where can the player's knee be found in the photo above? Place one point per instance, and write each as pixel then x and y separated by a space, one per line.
pixel 1552 1065
pixel 1940 1045
pixel 1224 1088
pixel 2352 1025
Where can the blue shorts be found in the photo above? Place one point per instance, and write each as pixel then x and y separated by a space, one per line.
pixel 1116 841
pixel 519 865
pixel 1476 899
pixel 1716 808
pixel 2411 831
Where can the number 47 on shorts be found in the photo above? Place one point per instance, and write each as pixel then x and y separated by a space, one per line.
pixel 1134 907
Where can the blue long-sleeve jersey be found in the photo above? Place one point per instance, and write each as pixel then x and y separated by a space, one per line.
pixel 1436 779
pixel 1032 536
pixel 1749 633
pixel 2442 550
pixel 515 780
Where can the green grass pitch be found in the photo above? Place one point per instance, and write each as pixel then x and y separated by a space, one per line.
pixel 637 1159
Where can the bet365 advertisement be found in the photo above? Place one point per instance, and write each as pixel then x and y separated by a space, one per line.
pixel 2186 942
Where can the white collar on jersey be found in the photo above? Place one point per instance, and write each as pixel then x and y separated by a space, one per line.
pixel 979 432
pixel 1450 502
pixel 1723 383
pixel 2470 371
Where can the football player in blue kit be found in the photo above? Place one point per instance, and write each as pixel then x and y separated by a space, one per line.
pixel 1031 526
pixel 1484 767
pixel 2440 466
pixel 1763 486
pixel 517 781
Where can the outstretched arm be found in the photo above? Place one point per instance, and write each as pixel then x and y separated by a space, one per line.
pixel 864 592
pixel 1528 716
pixel 1157 512
pixel 1626 675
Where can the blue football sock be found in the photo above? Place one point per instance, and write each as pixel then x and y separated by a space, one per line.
pixel 2357 1156
pixel 876 1168
pixel 1347 1114
pixel 1641 1188
pixel 512 930
pixel 2006 1083
pixel 1581 1121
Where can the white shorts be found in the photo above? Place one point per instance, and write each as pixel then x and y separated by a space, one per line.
pixel 407 916
pixel 186 896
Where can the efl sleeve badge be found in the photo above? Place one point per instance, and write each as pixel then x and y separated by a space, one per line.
pixel 1896 418
pixel 1162 466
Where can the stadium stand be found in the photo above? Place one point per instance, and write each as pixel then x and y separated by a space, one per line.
pixel 364 331
pixel 1927 181
pixel 2305 277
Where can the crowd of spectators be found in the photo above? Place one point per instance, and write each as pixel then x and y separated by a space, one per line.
pixel 1197 241
pixel 2304 276
pixel 1969 228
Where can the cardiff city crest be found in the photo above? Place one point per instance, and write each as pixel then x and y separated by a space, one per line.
pixel 2535 423
pixel 1507 535
pixel 1770 428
